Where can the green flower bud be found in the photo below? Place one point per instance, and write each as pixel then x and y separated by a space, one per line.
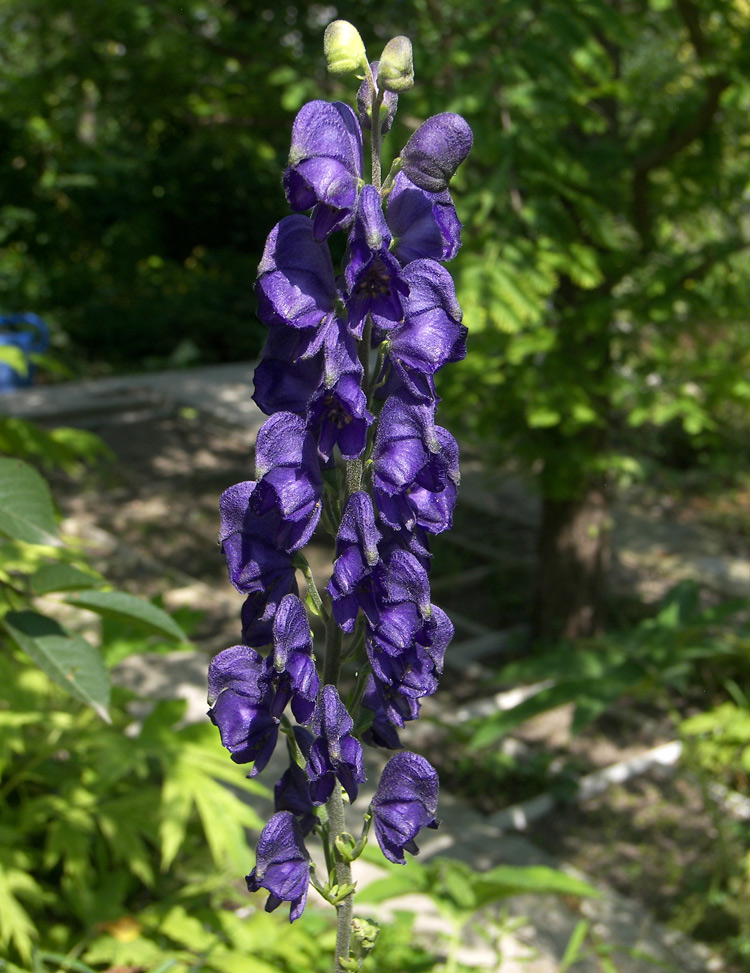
pixel 396 68
pixel 343 48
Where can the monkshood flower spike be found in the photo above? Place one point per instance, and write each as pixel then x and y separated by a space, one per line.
pixel 351 445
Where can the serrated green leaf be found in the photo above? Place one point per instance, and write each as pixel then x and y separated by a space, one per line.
pixel 26 510
pixel 131 610
pixel 63 577
pixel 69 660
pixel 16 926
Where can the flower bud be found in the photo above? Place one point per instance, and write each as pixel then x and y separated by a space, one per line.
pixel 396 69
pixel 343 48
pixel 434 152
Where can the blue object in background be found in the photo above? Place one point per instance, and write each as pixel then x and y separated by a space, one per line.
pixel 28 333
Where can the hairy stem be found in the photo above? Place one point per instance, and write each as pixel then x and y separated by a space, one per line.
pixel 345 908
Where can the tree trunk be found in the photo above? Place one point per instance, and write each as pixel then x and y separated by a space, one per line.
pixel 572 571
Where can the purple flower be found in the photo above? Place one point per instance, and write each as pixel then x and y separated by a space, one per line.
pixel 412 670
pixel 340 417
pixel 356 556
pixel 431 334
pixel 296 284
pixel 293 661
pixel 282 865
pixel 434 152
pixel 423 224
pixel 335 752
pixel 415 468
pixel 248 541
pixel 374 280
pixel 404 803
pixel 239 686
pixel 389 710
pixel 325 164
pixel 289 479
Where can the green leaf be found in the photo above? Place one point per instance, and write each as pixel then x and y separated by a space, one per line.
pixel 69 660
pixel 573 949
pixel 26 511
pixel 129 609
pixel 506 880
pixel 62 577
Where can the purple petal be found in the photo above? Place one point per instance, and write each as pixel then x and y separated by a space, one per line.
pixel 434 152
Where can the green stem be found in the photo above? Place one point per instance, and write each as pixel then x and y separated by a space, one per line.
pixel 343 871
pixel 301 563
pixel 377 101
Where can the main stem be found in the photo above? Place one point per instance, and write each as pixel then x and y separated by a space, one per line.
pixel 335 806
pixel 334 639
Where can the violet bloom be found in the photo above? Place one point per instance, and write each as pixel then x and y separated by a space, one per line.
pixel 293 660
pixel 356 556
pixel 335 752
pixel 256 566
pixel 296 285
pixel 289 479
pixel 325 164
pixel 282 865
pixel 422 224
pixel 374 281
pixel 404 803
pixel 415 468
pixel 340 417
pixel 413 669
pixel 434 152
pixel 240 688
pixel 431 334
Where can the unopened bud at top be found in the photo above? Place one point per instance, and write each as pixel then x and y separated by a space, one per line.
pixel 396 68
pixel 344 48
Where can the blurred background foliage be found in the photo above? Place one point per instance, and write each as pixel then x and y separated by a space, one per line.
pixel 604 275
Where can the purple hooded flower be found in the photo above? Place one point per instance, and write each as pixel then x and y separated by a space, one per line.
pixel 289 479
pixel 415 468
pixel 434 152
pixel 389 710
pixel 365 99
pixel 335 752
pixel 340 417
pixel 240 689
pixel 296 284
pixel 325 164
pixel 413 670
pixel 293 661
pixel 256 566
pixel 422 224
pixel 282 865
pixel 374 281
pixel 431 334
pixel 404 803
pixel 356 556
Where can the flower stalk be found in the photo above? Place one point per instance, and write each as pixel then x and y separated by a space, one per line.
pixel 355 447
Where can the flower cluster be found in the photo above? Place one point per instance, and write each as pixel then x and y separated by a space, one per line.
pixel 347 379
